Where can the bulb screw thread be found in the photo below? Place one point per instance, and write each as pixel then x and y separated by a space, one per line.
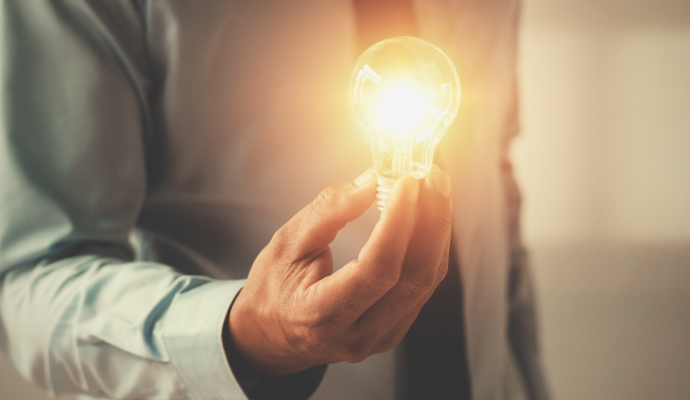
pixel 383 190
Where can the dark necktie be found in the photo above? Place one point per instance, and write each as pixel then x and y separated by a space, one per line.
pixel 381 19
pixel 434 348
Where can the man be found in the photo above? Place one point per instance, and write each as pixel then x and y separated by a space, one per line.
pixel 148 143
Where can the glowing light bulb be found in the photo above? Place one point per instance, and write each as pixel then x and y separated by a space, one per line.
pixel 404 93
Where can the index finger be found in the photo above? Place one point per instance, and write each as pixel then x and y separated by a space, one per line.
pixel 361 283
pixel 426 255
pixel 317 224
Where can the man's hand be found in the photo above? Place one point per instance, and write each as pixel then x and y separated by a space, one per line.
pixel 294 312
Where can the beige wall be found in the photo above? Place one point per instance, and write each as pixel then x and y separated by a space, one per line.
pixel 604 164
pixel 605 152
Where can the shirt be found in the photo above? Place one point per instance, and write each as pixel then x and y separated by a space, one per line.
pixel 149 150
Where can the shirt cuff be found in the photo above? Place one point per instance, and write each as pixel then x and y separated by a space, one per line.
pixel 192 335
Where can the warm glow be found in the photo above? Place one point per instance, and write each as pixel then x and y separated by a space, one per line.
pixel 401 108
pixel 404 92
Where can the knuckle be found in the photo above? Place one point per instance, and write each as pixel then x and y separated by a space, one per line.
pixel 282 238
pixel 321 208
pixel 410 208
pixel 360 345
pixel 408 223
pixel 277 250
pixel 386 275
pixel 443 220
pixel 317 330
pixel 443 271
pixel 389 343
pixel 314 337
pixel 404 220
pixel 357 350
pixel 322 319
pixel 419 284
pixel 327 198
pixel 278 235
pixel 310 339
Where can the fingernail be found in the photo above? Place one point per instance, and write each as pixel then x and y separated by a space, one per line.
pixel 364 178
pixel 412 188
pixel 441 182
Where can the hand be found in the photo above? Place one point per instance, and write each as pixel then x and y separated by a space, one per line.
pixel 294 312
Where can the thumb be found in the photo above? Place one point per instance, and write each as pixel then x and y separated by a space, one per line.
pixel 317 224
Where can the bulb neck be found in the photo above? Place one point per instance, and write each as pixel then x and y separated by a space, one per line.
pixel 383 190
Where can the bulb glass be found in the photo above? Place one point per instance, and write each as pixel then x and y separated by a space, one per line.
pixel 404 93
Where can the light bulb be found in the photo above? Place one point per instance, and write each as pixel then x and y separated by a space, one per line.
pixel 404 93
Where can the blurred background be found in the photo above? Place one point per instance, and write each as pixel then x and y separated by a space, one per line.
pixel 604 166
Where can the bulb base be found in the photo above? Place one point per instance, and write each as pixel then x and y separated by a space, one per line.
pixel 383 190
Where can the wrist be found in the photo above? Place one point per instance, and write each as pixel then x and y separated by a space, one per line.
pixel 253 351
pixel 262 386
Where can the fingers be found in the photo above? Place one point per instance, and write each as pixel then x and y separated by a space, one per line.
pixel 426 258
pixel 399 330
pixel 316 225
pixel 361 283
pixel 382 256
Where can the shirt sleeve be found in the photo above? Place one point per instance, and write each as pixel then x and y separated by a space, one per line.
pixel 78 313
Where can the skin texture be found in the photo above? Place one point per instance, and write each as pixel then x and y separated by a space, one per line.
pixel 294 312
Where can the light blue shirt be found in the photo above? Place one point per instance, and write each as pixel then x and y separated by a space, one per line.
pixel 103 332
